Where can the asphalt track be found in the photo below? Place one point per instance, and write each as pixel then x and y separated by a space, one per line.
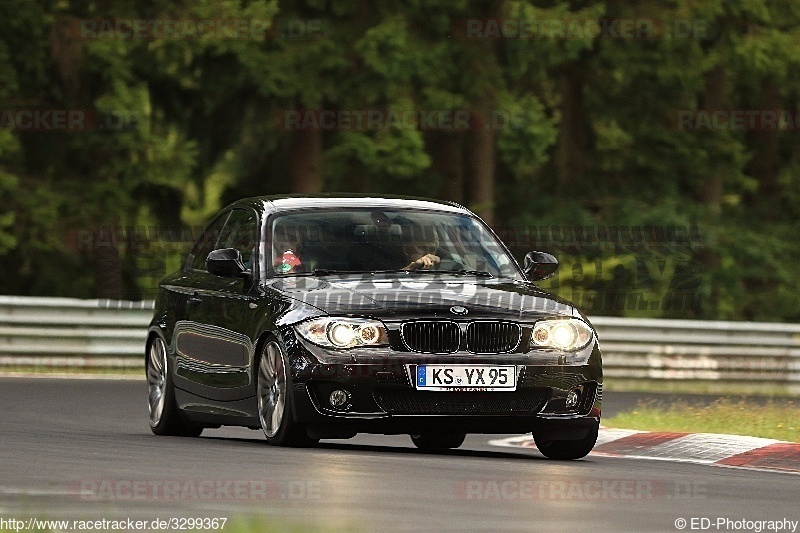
pixel 81 449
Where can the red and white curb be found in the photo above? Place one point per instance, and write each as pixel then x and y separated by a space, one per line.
pixel 700 448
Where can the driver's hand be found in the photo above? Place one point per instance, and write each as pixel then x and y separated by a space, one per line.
pixel 426 261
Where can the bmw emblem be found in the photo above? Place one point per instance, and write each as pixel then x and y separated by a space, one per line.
pixel 458 310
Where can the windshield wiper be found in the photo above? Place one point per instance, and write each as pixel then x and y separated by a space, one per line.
pixel 329 271
pixel 467 272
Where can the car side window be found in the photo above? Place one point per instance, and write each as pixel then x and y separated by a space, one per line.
pixel 241 233
pixel 206 243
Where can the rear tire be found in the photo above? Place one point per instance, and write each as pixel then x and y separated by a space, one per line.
pixel 431 441
pixel 567 450
pixel 165 417
pixel 275 407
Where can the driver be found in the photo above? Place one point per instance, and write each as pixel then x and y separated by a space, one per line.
pixel 422 253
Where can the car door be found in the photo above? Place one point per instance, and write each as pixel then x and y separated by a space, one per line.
pixel 214 339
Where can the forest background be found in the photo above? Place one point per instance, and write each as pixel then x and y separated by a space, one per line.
pixel 653 147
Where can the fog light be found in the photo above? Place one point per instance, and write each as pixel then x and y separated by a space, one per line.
pixel 572 399
pixel 339 398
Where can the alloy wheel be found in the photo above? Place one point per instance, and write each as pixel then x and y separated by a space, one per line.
pixel 157 379
pixel 271 389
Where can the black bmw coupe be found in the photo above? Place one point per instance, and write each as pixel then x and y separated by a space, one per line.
pixel 321 317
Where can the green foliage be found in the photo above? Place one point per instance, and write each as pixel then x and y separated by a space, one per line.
pixel 526 134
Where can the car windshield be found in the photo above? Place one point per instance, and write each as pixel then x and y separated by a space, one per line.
pixel 368 240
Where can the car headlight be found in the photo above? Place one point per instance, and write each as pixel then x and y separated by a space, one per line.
pixel 332 332
pixel 567 335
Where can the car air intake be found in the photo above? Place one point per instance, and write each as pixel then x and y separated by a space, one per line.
pixel 492 337
pixel 432 337
pixel 411 402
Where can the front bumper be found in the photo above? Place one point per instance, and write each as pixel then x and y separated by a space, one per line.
pixel 382 397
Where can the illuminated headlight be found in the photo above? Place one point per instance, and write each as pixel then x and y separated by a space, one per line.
pixel 567 335
pixel 332 332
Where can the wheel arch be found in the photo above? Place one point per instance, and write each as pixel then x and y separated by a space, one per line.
pixel 263 338
pixel 258 348
pixel 152 333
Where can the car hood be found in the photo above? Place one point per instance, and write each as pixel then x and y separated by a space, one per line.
pixel 420 297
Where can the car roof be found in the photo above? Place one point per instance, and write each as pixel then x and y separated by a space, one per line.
pixel 275 204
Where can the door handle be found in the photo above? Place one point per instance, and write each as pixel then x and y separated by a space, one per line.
pixel 194 301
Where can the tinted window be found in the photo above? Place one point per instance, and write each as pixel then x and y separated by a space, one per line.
pixel 389 239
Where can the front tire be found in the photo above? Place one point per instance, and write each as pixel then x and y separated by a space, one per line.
pixel 567 450
pixel 165 417
pixel 275 408
pixel 430 441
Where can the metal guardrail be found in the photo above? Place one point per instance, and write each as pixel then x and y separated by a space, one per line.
pixel 751 354
pixel 66 332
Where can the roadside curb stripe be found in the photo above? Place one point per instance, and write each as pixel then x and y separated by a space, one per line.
pixel 752 453
pixel 783 456
pixel 633 444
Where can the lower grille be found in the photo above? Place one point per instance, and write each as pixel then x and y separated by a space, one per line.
pixel 551 379
pixel 432 337
pixel 493 337
pixel 412 402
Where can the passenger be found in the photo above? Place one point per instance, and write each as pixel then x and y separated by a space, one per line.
pixel 286 246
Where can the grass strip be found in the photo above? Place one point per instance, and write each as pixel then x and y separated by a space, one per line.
pixel 756 417
pixel 71 370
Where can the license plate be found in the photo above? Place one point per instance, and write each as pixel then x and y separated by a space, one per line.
pixel 466 377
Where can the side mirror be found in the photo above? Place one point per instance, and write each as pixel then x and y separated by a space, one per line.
pixel 540 265
pixel 227 263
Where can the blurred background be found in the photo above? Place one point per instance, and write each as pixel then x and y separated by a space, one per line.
pixel 651 146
